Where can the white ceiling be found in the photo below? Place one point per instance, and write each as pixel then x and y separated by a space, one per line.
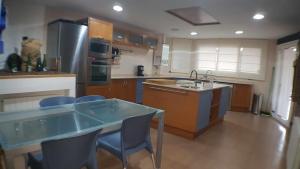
pixel 282 17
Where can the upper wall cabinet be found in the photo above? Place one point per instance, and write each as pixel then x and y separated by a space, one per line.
pixel 150 42
pixel 134 39
pixel 119 36
pixel 100 29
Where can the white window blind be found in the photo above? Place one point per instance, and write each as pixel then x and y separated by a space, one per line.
pixel 206 58
pixel 228 59
pixel 231 58
pixel 181 61
pixel 250 60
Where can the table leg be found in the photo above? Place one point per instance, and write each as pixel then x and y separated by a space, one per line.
pixel 160 133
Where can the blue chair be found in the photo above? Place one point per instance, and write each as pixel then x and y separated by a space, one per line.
pixel 55 101
pixel 133 137
pixel 89 98
pixel 68 153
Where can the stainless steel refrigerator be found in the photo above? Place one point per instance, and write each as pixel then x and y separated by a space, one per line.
pixel 67 50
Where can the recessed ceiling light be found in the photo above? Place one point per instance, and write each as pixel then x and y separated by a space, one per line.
pixel 258 16
pixel 295 49
pixel 239 32
pixel 194 33
pixel 118 8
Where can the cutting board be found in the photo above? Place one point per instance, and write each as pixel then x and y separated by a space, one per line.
pixel 162 81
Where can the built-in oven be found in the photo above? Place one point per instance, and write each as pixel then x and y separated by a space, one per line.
pixel 99 61
pixel 99 70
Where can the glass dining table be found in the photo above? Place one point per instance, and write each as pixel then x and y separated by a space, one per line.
pixel 22 132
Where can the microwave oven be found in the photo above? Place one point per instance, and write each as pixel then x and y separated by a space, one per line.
pixel 99 48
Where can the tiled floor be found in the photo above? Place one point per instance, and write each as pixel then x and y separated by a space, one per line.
pixel 242 141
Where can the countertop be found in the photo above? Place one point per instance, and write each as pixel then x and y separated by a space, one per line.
pixel 9 75
pixel 221 80
pixel 139 77
pixel 200 89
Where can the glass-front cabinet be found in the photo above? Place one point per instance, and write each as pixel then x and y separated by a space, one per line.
pixel 131 38
pixel 150 42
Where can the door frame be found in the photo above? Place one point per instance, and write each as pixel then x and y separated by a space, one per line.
pixel 280 51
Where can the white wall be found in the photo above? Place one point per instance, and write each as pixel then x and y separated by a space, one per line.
pixel 129 62
pixel 22 20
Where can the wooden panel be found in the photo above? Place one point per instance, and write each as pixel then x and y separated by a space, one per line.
pixel 216 96
pixel 124 89
pixel 241 97
pixel 103 90
pixel 100 29
pixel 131 90
pixel 118 89
pixel 214 112
pixel 180 106
pixel 1 159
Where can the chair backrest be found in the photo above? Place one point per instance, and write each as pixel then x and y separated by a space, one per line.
pixel 71 153
pixel 89 98
pixel 54 101
pixel 136 130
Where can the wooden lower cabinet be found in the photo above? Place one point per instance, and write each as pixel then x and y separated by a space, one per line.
pixel 180 106
pixel 102 90
pixel 124 89
pixel 1 159
pixel 241 98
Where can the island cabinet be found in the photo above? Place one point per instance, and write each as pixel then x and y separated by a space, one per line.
pixel 188 112
pixel 124 89
pixel 180 108
pixel 241 97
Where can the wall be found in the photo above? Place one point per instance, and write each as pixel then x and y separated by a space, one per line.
pixel 31 20
pixel 260 86
pixel 129 62
pixel 22 20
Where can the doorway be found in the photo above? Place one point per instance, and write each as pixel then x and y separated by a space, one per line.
pixel 283 82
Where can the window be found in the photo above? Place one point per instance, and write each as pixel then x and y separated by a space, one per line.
pixel 250 60
pixel 231 58
pixel 227 59
pixel 206 58
pixel 165 55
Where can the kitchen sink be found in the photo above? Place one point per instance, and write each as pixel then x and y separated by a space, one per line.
pixel 190 86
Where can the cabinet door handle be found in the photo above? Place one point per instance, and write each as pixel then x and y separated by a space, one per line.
pixel 168 90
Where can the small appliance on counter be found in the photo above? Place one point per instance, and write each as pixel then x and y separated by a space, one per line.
pixel 140 70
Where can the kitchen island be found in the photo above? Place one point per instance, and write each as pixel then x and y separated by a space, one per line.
pixel 188 111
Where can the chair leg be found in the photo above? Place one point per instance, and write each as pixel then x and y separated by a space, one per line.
pixel 153 160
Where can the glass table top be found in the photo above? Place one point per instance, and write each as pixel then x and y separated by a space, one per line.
pixel 18 129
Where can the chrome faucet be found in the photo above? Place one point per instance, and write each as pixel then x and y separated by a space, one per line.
pixel 206 74
pixel 196 79
pixel 192 74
